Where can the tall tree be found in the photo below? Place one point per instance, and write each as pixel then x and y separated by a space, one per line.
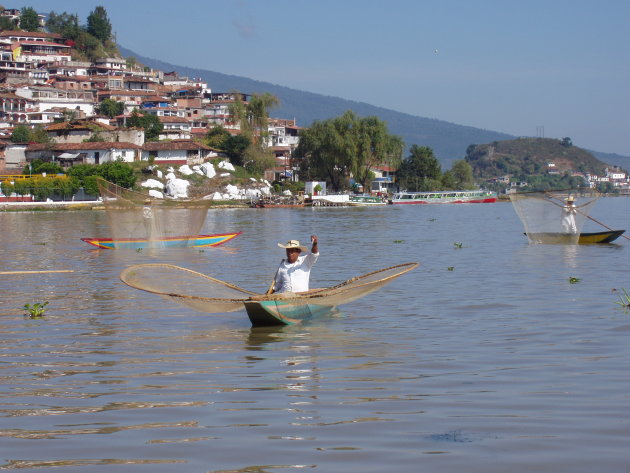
pixel 98 24
pixel 151 124
pixel 253 116
pixel 258 113
pixel 29 21
pixel 375 146
pixel 329 150
pixel 216 137
pixel 6 24
pixel 111 108
pixel 235 147
pixel 21 134
pixel 65 24
pixel 463 174
pixel 421 170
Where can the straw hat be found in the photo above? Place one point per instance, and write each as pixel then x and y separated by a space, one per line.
pixel 570 198
pixel 293 244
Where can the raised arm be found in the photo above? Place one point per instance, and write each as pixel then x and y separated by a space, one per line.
pixel 314 248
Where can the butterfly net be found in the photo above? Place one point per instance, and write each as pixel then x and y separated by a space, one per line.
pixel 551 217
pixel 133 215
pixel 207 294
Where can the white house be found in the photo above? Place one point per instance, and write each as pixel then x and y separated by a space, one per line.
pixel 177 152
pixel 49 97
pixel 99 152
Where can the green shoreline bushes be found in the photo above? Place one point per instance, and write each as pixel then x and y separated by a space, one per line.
pixel 64 186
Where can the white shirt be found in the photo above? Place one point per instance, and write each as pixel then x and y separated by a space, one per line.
pixel 568 220
pixel 294 277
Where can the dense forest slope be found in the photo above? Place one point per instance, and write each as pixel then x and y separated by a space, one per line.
pixel 448 140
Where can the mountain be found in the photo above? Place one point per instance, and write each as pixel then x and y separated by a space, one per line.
pixel 448 140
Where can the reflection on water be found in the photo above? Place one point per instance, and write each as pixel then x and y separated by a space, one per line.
pixel 483 352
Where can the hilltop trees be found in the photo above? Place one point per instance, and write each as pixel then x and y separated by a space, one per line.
pixel 65 24
pixel 89 42
pixel 98 24
pixel 347 146
pixel 29 21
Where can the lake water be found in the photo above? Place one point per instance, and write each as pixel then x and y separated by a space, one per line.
pixel 484 359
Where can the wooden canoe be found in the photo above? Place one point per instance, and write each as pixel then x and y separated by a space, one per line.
pixel 277 312
pixel 584 239
pixel 169 242
pixel 207 294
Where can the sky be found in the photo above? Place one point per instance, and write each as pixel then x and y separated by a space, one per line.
pixel 550 68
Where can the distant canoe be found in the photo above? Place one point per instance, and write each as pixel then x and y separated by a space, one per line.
pixel 169 242
pixel 584 239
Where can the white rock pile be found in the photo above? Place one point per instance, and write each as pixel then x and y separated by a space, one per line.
pixel 173 187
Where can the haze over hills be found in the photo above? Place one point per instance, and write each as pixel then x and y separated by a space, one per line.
pixel 448 140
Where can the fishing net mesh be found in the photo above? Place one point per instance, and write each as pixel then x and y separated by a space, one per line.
pixel 134 215
pixel 549 218
pixel 207 294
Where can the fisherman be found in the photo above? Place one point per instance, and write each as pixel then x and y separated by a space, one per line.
pixel 568 217
pixel 147 218
pixel 294 272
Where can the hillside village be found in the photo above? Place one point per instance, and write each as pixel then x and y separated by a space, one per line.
pixel 41 86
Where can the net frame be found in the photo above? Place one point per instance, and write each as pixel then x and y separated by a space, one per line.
pixel 135 215
pixel 152 277
pixel 548 218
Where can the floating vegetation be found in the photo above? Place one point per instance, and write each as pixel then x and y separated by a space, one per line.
pixel 36 310
pixel 458 245
pixel 573 280
pixel 451 268
pixel 138 250
pixel 398 241
pixel 432 219
pixel 624 300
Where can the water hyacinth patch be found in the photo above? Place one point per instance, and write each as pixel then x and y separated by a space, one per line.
pixel 36 310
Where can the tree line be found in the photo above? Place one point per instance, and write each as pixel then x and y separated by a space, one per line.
pixel 347 149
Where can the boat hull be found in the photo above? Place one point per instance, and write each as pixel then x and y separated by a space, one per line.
pixel 584 238
pixel 170 242
pixel 278 312
pixel 600 237
pixel 446 197
pixel 366 201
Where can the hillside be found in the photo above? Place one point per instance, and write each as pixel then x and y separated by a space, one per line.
pixel 448 140
pixel 530 156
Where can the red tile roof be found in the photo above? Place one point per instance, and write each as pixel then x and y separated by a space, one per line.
pixel 94 145
pixel 187 145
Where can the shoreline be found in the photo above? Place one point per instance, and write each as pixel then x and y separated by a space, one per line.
pixel 85 205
